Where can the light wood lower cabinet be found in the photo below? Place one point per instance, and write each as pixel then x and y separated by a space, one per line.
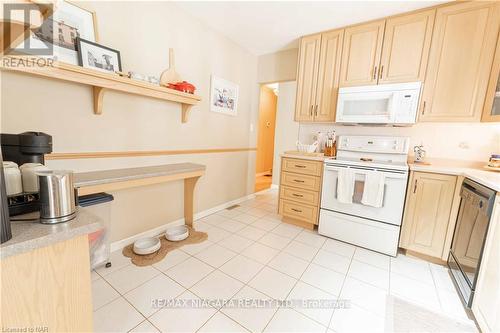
pixel 430 207
pixel 48 288
pixel 486 302
pixel 300 191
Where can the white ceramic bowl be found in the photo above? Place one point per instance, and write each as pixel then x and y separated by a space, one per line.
pixel 177 233
pixel 147 245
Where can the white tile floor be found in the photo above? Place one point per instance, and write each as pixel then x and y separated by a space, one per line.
pixel 251 255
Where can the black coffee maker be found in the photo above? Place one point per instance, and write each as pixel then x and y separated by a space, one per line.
pixel 5 232
pixel 27 147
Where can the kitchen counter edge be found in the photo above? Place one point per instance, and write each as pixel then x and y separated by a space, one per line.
pixel 31 235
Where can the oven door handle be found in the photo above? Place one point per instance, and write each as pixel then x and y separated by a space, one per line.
pixel 363 171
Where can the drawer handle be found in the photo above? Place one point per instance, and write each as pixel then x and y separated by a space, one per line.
pixel 299 166
pixel 297 210
pixel 298 181
pixel 297 195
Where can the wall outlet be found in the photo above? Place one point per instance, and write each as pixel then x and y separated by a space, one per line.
pixel 464 145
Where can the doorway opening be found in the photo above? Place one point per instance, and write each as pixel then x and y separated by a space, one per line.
pixel 268 103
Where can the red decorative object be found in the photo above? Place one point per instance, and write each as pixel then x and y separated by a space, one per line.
pixel 182 86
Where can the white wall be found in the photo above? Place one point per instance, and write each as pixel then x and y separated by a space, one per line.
pixel 287 130
pixel 278 67
pixel 462 141
pixel 143 32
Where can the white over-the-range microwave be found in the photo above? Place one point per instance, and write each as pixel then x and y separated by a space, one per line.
pixel 392 104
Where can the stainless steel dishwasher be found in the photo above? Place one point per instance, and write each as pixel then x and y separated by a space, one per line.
pixel 466 251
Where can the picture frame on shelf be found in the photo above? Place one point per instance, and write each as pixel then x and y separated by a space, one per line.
pixel 98 57
pixel 223 96
pixel 68 22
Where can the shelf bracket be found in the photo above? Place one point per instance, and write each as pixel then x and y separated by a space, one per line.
pixel 186 108
pixel 98 99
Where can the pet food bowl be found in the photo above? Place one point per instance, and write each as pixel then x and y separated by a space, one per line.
pixel 177 233
pixel 146 245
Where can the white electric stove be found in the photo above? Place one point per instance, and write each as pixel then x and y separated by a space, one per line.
pixel 374 228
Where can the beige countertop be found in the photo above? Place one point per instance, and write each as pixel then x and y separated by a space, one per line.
pixel 471 170
pixel 119 175
pixel 30 235
pixel 304 157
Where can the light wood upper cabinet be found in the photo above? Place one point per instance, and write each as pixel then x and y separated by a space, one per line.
pixel 318 77
pixel 407 40
pixel 328 76
pixel 307 76
pixel 427 213
pixel 361 54
pixel 491 109
pixel 461 55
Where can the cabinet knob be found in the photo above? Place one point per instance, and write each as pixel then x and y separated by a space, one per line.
pixel 375 73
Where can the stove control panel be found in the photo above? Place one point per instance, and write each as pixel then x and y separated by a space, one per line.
pixel 374 144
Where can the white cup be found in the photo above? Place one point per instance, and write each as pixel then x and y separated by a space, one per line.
pixel 30 179
pixel 13 182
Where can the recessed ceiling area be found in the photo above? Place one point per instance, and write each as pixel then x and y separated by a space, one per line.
pixel 266 27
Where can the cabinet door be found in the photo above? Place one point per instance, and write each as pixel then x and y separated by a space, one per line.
pixel 491 110
pixel 328 76
pixel 461 55
pixel 361 54
pixel 407 40
pixel 307 76
pixel 427 212
pixel 487 298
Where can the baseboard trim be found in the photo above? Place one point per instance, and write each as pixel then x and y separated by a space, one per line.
pixel 160 229
pixel 275 186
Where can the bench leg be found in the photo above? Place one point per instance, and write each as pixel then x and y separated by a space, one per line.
pixel 189 184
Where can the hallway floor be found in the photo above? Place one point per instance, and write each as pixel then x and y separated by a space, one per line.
pixel 237 279
pixel 263 182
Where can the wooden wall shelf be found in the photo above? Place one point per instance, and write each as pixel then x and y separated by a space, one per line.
pixel 102 82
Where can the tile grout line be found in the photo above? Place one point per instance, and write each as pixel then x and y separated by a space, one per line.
pixel 299 279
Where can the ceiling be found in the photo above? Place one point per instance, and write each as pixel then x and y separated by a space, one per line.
pixel 268 26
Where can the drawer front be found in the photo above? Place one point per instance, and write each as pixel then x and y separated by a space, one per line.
pixel 299 211
pixel 305 167
pixel 299 195
pixel 305 182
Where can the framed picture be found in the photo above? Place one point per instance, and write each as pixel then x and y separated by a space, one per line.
pixel 94 56
pixel 68 22
pixel 223 96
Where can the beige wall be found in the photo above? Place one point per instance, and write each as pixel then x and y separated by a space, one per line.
pixel 278 67
pixel 64 110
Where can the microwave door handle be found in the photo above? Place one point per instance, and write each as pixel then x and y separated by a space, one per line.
pixel 393 107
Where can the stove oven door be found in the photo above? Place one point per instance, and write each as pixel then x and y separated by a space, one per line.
pixel 394 194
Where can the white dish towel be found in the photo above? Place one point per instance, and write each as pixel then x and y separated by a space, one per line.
pixel 373 192
pixel 345 185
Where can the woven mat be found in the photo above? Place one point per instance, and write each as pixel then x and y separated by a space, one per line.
pixel 166 246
